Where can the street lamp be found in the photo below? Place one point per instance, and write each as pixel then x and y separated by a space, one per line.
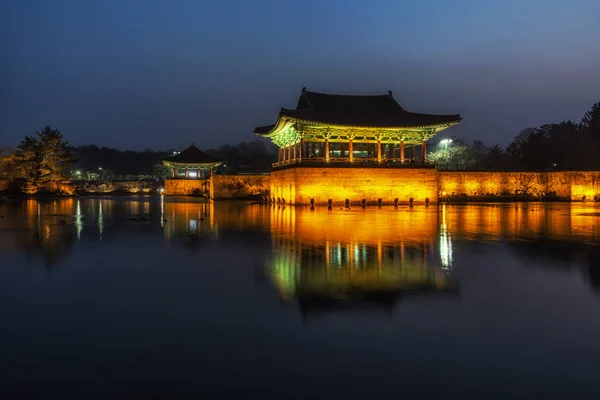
pixel 446 142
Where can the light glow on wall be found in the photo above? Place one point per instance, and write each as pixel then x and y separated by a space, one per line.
pixel 299 185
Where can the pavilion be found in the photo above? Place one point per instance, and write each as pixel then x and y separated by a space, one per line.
pixel 192 163
pixel 352 129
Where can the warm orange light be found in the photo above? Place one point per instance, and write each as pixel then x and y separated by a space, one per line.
pixel 566 185
pixel 300 185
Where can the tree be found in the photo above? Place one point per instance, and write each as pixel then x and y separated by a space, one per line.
pixel 55 157
pixel 525 183
pixel 591 120
pixel 591 128
pixel 161 171
pixel 43 160
pixel 495 159
pixel 6 166
pixel 455 157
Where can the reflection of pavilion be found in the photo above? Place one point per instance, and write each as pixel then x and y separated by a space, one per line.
pixel 187 219
pixel 324 262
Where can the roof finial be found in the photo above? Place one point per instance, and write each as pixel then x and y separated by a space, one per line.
pixel 390 93
pixel 304 89
pixel 192 144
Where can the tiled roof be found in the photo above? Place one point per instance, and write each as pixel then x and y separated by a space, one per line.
pixel 264 129
pixel 192 155
pixel 380 111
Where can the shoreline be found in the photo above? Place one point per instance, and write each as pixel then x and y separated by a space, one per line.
pixel 260 200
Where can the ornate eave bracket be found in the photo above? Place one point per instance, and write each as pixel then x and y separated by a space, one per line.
pixel 192 165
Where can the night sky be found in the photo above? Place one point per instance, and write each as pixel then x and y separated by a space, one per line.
pixel 160 74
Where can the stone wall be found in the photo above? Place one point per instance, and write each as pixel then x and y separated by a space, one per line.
pixel 101 187
pixel 240 186
pixel 565 185
pixel 299 185
pixel 583 184
pixel 185 187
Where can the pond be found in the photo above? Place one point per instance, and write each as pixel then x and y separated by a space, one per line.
pixel 142 296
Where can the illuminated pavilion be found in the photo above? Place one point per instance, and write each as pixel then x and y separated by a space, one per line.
pixel 359 129
pixel 192 163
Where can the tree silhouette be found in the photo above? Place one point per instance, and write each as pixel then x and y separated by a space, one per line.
pixel 43 160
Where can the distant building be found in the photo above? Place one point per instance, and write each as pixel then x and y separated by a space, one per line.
pixel 192 163
pixel 328 128
pixel 191 172
pixel 328 132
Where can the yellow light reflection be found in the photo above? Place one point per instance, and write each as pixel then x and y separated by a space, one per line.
pixel 100 219
pixel 325 256
pixel 445 242
pixel 78 220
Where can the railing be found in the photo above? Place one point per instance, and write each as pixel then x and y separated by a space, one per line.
pixel 356 163
pixel 184 178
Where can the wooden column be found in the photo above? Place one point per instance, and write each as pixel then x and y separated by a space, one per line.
pixel 301 148
pixel 350 151
pixel 402 152
pixel 326 150
pixel 295 151
pixel 173 172
pixel 424 149
pixel 378 150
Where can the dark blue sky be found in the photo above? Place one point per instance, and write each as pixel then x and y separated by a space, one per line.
pixel 160 74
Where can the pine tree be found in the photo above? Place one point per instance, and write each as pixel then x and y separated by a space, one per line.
pixel 43 160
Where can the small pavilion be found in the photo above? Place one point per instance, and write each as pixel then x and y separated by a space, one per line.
pixel 358 130
pixel 192 163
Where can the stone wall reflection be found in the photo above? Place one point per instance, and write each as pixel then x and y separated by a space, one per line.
pixel 327 260
pixel 564 234
pixel 220 221
pixel 523 221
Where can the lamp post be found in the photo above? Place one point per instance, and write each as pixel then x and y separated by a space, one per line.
pixel 446 142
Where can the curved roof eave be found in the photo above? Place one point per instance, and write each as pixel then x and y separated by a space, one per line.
pixel 275 130
pixel 282 123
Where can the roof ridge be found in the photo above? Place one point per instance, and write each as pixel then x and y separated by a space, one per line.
pixel 347 95
pixel 391 96
pixel 304 92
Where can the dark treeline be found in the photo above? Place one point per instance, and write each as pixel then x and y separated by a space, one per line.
pixel 255 156
pixel 118 162
pixel 246 156
pixel 562 146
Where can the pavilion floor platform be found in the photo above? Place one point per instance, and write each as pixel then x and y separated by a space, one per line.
pixel 322 162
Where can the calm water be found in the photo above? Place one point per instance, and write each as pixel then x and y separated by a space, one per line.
pixel 247 300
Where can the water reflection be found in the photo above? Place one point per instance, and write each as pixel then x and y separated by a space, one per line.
pixel 445 241
pixel 325 260
pixel 167 291
pixel 341 252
